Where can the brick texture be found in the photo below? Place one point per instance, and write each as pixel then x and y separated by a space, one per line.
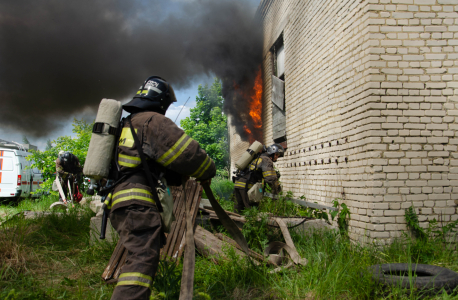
pixel 371 94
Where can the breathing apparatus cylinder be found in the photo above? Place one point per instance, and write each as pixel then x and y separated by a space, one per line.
pixel 100 152
pixel 248 155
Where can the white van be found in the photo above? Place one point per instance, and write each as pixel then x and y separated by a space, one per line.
pixel 15 179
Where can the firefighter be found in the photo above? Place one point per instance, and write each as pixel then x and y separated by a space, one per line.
pixel 134 214
pixel 68 168
pixel 260 168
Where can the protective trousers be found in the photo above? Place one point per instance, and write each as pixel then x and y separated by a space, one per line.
pixel 139 229
pixel 242 200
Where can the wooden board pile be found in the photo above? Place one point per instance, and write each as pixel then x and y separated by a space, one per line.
pixel 208 244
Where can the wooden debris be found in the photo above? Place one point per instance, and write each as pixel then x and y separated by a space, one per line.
pixel 211 246
pixel 176 239
pixel 116 261
pixel 230 241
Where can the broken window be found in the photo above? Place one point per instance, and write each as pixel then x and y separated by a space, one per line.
pixel 278 91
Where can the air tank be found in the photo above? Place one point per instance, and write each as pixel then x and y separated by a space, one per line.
pixel 100 152
pixel 248 155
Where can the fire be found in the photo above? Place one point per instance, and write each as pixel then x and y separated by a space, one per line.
pixel 256 101
pixel 253 127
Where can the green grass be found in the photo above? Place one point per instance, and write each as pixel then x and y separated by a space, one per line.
pixel 51 257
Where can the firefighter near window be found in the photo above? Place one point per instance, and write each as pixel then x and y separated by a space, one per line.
pixel 250 181
pixel 68 169
pixel 151 153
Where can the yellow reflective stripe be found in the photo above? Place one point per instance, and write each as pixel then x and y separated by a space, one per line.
pixel 168 157
pixel 125 164
pixel 133 282
pixel 132 197
pixel 205 167
pixel 134 278
pixel 130 157
pixel 179 152
pixel 200 167
pixel 132 194
pixel 269 173
pixel 135 274
pixel 240 184
pixel 255 163
pixel 107 201
pixel 142 191
pixel 129 161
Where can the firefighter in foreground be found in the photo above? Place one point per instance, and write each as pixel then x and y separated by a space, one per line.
pixel 171 154
pixel 260 168
pixel 68 168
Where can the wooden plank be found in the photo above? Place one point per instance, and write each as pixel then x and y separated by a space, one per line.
pixel 230 241
pixel 278 92
pixel 209 245
pixel 122 261
pixel 228 212
pixel 278 123
pixel 113 262
pixel 193 211
pixel 172 238
pixel 190 186
pixel 302 202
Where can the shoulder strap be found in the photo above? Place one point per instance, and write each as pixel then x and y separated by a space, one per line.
pixel 145 166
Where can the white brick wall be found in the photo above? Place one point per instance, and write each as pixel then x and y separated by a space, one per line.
pixel 372 105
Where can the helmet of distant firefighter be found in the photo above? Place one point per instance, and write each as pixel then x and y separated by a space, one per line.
pixel 156 94
pixel 276 148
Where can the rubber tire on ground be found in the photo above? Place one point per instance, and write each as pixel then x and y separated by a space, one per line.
pixel 432 281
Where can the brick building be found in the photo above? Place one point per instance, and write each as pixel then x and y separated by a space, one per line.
pixel 365 94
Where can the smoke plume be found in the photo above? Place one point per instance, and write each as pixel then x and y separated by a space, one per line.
pixel 59 58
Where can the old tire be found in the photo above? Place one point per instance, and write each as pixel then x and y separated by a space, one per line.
pixel 427 278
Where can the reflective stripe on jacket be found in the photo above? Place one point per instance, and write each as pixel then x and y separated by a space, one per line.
pixel 262 168
pixel 165 146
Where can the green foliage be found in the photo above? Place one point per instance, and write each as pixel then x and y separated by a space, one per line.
pixel 282 206
pixel 58 259
pixel 221 187
pixel 343 216
pixel 78 145
pixel 423 248
pixel 413 223
pixel 256 229
pixel 167 282
pixel 48 144
pixel 208 125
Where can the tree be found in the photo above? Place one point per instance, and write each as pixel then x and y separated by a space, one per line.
pixel 48 144
pixel 25 140
pixel 207 124
pixel 45 160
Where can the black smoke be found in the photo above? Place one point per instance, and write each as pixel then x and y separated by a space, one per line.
pixel 58 58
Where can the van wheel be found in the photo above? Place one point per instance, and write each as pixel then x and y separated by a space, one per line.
pixel 427 278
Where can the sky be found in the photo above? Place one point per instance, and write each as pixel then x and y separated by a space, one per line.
pixel 59 59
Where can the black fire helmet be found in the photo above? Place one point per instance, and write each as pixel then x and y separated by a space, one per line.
pixel 276 148
pixel 156 94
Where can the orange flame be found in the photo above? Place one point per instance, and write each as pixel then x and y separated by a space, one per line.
pixel 255 108
pixel 256 103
